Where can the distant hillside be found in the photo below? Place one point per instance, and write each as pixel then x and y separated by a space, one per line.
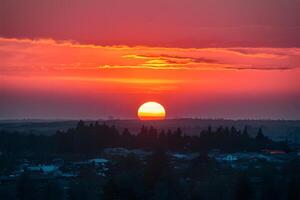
pixel 47 127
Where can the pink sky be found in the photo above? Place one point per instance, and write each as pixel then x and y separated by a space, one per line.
pixel 184 23
pixel 95 59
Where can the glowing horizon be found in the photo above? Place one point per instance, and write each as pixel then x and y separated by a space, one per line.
pixel 204 82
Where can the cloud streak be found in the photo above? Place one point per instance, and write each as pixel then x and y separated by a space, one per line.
pixel 47 55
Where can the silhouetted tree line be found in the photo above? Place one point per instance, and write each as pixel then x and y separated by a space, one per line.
pixel 91 138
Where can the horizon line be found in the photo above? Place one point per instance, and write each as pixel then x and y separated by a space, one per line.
pixel 136 119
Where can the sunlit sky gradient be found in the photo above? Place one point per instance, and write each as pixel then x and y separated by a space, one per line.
pixel 96 59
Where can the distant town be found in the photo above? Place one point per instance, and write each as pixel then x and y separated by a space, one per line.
pixel 96 160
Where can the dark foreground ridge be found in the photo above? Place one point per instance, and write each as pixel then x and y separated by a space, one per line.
pixel 95 161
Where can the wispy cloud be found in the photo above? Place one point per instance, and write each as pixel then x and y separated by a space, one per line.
pixel 48 55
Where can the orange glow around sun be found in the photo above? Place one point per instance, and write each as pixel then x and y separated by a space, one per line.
pixel 151 111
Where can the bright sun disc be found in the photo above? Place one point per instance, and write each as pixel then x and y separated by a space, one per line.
pixel 151 111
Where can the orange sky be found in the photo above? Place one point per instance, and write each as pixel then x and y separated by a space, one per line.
pixel 61 79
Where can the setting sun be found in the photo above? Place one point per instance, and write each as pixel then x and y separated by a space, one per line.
pixel 151 111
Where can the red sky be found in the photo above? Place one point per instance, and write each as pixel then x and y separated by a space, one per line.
pixel 95 59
